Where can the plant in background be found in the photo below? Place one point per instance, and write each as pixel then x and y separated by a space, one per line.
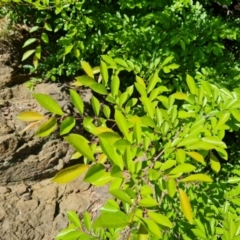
pixel 160 153
pixel 64 32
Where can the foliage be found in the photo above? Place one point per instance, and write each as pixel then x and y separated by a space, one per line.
pixel 160 153
pixel 64 32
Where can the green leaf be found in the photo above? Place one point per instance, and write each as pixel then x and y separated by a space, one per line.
pixel 152 227
pixel 199 233
pixel 87 68
pixel 69 174
pixel 87 221
pixel 171 187
pixel 111 220
pixel 73 218
pixel 148 202
pixel 115 83
pixel 106 111
pixel 122 124
pixel 27 54
pixel 236 114
pixel 86 80
pixel 215 164
pixel 44 37
pixel 214 141
pixel 48 103
pixel 104 72
pixel 197 178
pixel 168 164
pixel 121 195
pixel 109 61
pixel 152 82
pixel 67 125
pixel 183 168
pixel 95 172
pixel 68 49
pixel 160 219
pixel 233 180
pixel 191 84
pixel 196 156
pixel 99 88
pixel 33 29
pixel 72 234
pixel 180 96
pixel 38 52
pixel 103 180
pixel 29 116
pixel 77 101
pixel 180 155
pixel 95 105
pixel 223 119
pixel 29 41
pixel 148 105
pixel 47 127
pixel 47 26
pixel 137 132
pixel 185 206
pixel 80 144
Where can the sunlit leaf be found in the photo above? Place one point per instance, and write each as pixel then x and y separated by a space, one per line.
pixel 67 125
pixel 197 178
pixel 77 101
pixel 87 68
pixel 95 172
pixel 160 219
pixel 119 194
pixel 69 174
pixel 30 116
pixel 215 164
pixel 48 103
pixel 73 218
pixel 185 205
pixel 47 127
pixel 27 54
pixel 191 84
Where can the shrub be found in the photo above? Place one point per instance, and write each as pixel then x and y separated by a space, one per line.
pixel 160 153
pixel 65 32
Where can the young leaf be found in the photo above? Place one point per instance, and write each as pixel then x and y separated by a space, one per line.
pixel 215 165
pixel 27 54
pixel 67 125
pixel 171 187
pixel 111 220
pixel 29 41
pixel 121 195
pixel 196 156
pixel 160 219
pixel 148 202
pixel 30 116
pixel 148 105
pixel 48 103
pixel 109 61
pixel 115 83
pixel 122 124
pixel 103 180
pixel 104 72
pixel 47 26
pixel 94 173
pixel 44 37
pixel 86 80
pixel 183 168
pixel 191 84
pixel 185 205
pixel 73 218
pixel 77 101
pixel 68 49
pixel 152 227
pixel 99 88
pixel 214 141
pixel 69 174
pixel 47 127
pixel 38 52
pixel 87 220
pixel 197 178
pixel 152 82
pixel 87 68
pixel 95 105
pixel 137 132
pixel 106 111
pixel 80 144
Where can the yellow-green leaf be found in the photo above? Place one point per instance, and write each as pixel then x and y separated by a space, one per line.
pixel 197 178
pixel 122 124
pixel 215 164
pixel 87 68
pixel 80 144
pixel 196 156
pixel 160 219
pixel 104 72
pixel 86 80
pixel 191 84
pixel 180 96
pixel 152 82
pixel 48 103
pixel 185 205
pixel 47 127
pixel 69 174
pixel 171 187
pixel 27 54
pixel 183 168
pixel 29 116
pixel 77 101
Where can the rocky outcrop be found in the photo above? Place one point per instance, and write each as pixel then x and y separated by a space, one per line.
pixel 31 206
